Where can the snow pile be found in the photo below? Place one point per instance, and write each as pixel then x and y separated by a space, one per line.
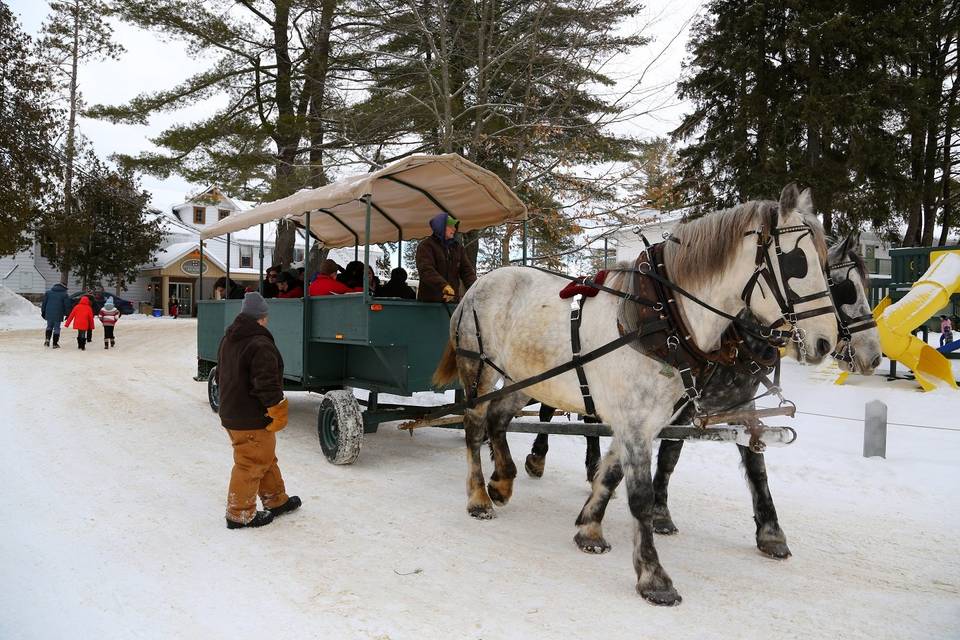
pixel 16 312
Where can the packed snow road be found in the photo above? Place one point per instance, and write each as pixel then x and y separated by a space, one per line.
pixel 113 525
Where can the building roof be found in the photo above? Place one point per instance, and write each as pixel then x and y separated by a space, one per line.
pixel 176 251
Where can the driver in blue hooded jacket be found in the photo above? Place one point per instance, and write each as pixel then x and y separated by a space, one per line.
pixel 442 262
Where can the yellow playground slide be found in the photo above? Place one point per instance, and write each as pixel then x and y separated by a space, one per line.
pixel 928 295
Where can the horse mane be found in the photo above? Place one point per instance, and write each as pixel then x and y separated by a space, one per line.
pixel 706 246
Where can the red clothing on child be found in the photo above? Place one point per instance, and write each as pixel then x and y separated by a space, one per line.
pixel 295 292
pixel 81 316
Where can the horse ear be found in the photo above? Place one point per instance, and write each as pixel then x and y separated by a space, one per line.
pixel 853 240
pixel 789 198
pixel 805 203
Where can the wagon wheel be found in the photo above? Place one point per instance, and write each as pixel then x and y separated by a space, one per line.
pixel 213 390
pixel 340 427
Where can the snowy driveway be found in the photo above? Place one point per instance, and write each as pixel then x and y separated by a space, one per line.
pixel 113 525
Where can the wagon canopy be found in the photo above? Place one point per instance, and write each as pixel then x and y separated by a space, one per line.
pixel 403 196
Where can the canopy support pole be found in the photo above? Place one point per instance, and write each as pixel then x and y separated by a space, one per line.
pixel 200 287
pixel 366 252
pixel 261 259
pixel 227 289
pixel 306 304
pixel 605 252
pixel 524 243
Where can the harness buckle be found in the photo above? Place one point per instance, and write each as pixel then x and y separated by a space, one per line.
pixel 673 341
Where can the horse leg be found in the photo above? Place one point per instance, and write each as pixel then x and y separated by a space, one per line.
pixel 589 537
pixel 499 414
pixel 667 457
pixel 479 505
pixel 592 461
pixel 537 458
pixel 770 537
pixel 653 583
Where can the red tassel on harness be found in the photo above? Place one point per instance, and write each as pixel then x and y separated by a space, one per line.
pixel 588 291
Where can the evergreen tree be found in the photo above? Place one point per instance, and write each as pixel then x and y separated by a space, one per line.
pixel 512 86
pixel 28 161
pixel 75 32
pixel 275 62
pixel 110 234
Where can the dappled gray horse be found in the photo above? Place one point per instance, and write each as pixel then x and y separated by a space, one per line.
pixel 736 387
pixel 525 330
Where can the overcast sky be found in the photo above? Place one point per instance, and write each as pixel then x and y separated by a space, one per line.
pixel 151 64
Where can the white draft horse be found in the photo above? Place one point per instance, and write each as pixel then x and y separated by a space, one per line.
pixel 514 317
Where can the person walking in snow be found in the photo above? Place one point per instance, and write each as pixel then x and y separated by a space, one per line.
pixel 81 317
pixel 53 309
pixel 442 262
pixel 249 375
pixel 109 315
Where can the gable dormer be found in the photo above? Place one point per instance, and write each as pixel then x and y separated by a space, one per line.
pixel 207 207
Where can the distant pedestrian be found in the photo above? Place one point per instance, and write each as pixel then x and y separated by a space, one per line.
pixel 249 375
pixel 946 330
pixel 174 308
pixel 109 315
pixel 81 317
pixel 53 309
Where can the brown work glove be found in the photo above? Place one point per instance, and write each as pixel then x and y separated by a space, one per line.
pixel 448 293
pixel 278 413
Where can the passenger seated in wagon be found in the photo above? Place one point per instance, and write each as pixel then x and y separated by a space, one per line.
pixel 352 276
pixel 326 283
pixel 224 289
pixel 289 285
pixel 397 286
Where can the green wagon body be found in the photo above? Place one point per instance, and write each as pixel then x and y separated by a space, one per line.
pixel 392 350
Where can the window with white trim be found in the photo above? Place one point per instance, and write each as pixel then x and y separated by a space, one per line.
pixel 246 256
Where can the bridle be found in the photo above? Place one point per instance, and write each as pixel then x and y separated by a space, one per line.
pixel 790 264
pixel 844 293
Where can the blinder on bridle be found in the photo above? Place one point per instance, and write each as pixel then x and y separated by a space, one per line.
pixel 845 293
pixel 791 264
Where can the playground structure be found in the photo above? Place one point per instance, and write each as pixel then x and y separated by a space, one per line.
pixel 925 280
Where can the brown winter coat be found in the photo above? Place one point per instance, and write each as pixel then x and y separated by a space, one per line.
pixel 249 375
pixel 439 266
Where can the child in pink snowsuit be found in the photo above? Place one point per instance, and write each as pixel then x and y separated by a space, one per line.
pixel 946 330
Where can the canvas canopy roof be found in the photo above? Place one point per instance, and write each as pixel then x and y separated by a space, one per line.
pixel 405 194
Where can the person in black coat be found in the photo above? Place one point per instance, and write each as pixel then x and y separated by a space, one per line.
pixel 222 291
pixel 53 309
pixel 397 286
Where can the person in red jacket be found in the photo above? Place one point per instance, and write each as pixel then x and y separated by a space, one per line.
pixel 81 317
pixel 290 287
pixel 326 282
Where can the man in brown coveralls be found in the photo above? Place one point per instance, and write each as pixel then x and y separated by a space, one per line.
pixel 252 409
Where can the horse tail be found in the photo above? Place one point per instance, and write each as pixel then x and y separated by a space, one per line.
pixel 447 368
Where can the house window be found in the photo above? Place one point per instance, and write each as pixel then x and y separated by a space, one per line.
pixel 297 254
pixel 199 215
pixel 246 256
pixel 222 213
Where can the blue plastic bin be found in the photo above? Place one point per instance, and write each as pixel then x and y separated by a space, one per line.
pixel 157 313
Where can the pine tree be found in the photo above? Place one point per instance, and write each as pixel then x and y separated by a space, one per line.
pixel 75 32
pixel 28 162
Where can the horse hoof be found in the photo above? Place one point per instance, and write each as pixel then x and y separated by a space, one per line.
pixel 661 597
pixel 591 545
pixel 665 527
pixel 496 496
pixel 481 512
pixel 534 465
pixel 774 549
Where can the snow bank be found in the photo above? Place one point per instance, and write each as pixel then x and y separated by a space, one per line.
pixel 16 312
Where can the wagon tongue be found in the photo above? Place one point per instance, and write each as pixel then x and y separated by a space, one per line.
pixel 744 416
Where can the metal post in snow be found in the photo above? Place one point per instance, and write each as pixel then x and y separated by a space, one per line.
pixel 875 430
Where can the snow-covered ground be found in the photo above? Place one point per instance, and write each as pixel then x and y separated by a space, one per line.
pixel 113 522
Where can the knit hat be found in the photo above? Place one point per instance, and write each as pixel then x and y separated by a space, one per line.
pixel 254 306
pixel 108 305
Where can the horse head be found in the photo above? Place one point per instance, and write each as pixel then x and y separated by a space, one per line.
pixel 858 349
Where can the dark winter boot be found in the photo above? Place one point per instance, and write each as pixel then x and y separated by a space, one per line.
pixel 292 504
pixel 56 341
pixel 262 518
pixel 80 342
pixel 113 343
pixel 106 344
pixel 46 337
